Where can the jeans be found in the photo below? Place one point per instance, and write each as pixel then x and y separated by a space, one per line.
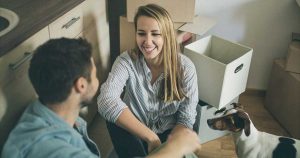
pixel 127 145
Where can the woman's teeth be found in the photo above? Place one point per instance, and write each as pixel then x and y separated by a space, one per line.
pixel 149 49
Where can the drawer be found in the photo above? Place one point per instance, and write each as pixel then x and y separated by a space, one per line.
pixel 69 25
pixel 15 63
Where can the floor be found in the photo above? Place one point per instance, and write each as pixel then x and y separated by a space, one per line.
pixel 221 147
pixel 261 118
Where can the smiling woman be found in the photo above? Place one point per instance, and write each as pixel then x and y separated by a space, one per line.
pixel 161 92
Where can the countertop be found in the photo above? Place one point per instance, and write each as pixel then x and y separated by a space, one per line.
pixel 34 15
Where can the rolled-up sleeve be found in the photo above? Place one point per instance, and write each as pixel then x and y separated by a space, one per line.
pixel 186 113
pixel 110 105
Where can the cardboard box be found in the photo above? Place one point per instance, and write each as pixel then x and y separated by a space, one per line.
pixel 180 11
pixel 282 97
pixel 127 34
pixel 222 68
pixel 201 25
pixel 293 57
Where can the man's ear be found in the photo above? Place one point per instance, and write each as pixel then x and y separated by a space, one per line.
pixel 80 85
pixel 243 115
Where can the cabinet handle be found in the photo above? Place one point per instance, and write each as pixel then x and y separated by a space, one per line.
pixel 27 56
pixel 239 68
pixel 70 23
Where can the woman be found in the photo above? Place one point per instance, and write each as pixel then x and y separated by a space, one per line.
pixel 161 92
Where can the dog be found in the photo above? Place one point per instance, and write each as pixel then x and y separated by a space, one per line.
pixel 249 142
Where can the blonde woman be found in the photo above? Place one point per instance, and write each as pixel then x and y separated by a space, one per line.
pixel 161 91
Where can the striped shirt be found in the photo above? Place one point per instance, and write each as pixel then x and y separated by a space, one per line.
pixel 142 98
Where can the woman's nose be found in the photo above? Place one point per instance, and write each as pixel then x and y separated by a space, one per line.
pixel 148 39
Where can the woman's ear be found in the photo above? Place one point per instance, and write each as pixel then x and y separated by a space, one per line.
pixel 243 115
pixel 80 85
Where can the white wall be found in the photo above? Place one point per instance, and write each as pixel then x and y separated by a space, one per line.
pixel 264 25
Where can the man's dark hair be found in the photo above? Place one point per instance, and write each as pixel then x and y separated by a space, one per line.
pixel 56 65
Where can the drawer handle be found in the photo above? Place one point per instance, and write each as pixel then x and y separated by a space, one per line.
pixel 70 23
pixel 27 56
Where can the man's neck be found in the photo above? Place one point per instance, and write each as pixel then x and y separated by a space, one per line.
pixel 68 111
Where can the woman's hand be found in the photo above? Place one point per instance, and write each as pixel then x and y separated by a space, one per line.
pixel 153 142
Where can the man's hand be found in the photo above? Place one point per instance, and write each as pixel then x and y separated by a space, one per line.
pixel 186 141
pixel 178 144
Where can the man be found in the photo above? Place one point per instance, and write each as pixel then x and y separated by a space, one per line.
pixel 63 74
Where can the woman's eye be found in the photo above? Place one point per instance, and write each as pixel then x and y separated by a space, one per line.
pixel 141 34
pixel 155 34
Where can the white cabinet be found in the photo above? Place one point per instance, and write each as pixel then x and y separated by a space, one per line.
pixel 15 61
pixel 87 20
pixel 16 90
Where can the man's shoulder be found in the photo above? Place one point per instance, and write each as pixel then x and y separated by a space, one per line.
pixel 26 136
pixel 33 128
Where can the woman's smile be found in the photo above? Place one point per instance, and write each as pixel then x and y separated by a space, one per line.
pixel 148 49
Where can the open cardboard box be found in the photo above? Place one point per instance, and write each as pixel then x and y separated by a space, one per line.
pixel 222 69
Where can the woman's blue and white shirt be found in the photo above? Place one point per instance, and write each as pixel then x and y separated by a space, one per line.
pixel 142 98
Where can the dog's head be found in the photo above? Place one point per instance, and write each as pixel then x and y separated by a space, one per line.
pixel 234 119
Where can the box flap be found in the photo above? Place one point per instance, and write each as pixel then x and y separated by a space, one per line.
pixel 200 25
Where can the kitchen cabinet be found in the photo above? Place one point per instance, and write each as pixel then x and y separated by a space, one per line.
pixel 16 90
pixel 87 20
pixel 69 25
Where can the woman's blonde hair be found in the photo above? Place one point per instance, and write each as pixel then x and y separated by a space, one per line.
pixel 172 85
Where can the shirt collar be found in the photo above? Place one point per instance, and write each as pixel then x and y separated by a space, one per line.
pixel 52 117
pixel 146 69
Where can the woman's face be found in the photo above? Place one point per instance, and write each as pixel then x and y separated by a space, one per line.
pixel 149 38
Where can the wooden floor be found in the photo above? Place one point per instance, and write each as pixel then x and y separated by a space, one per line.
pixel 262 120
